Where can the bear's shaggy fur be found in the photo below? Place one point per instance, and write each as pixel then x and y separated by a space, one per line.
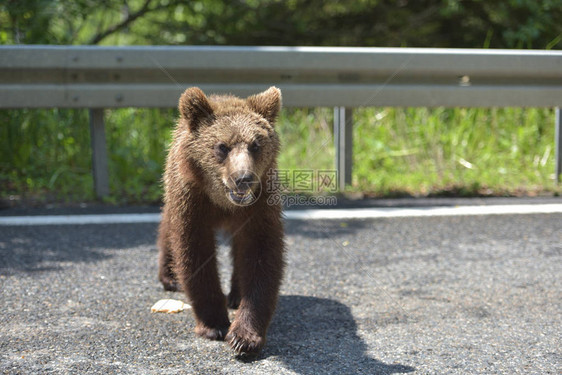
pixel 218 176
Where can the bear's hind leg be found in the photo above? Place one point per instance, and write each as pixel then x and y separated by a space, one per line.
pixel 165 259
pixel 234 295
pixel 196 268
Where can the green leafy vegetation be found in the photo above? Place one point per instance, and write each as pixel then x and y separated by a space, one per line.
pixel 380 23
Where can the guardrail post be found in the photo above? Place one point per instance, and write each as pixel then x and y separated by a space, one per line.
pixel 558 143
pixel 343 142
pixel 99 152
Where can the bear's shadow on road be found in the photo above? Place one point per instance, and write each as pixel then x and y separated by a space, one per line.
pixel 313 335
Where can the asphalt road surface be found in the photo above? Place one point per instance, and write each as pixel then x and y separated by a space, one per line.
pixel 437 295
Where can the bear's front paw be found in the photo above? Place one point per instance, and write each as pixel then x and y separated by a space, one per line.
pixel 211 333
pixel 244 341
pixel 169 283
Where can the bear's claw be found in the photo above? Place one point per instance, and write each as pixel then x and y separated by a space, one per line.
pixel 245 343
pixel 211 333
pixel 171 286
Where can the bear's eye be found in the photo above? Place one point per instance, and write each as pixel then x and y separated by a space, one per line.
pixel 254 147
pixel 223 149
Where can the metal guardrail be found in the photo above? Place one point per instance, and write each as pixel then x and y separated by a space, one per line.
pixel 344 78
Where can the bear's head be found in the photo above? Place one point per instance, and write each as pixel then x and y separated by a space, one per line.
pixel 231 143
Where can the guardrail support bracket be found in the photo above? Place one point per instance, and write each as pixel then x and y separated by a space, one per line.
pixel 343 142
pixel 99 152
pixel 558 143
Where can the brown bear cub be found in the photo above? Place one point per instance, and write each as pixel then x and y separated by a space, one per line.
pixel 219 176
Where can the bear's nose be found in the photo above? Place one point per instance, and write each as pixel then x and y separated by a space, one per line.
pixel 244 180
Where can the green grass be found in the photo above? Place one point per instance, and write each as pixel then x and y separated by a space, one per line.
pixel 468 151
pixel 45 155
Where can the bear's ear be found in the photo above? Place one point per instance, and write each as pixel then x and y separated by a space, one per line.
pixel 194 107
pixel 267 103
